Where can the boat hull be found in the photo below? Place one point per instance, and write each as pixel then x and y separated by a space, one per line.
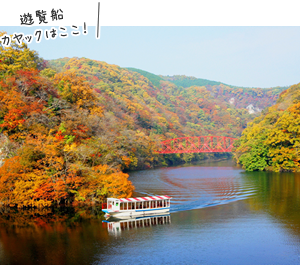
pixel 132 213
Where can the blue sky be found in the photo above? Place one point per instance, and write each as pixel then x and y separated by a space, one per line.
pixel 241 56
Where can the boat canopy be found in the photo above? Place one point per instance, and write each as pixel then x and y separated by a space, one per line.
pixel 142 199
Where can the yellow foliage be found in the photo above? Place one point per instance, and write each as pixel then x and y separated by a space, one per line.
pixel 70 147
pixel 96 110
pixel 16 57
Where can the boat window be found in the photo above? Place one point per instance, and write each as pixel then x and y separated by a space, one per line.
pixel 122 206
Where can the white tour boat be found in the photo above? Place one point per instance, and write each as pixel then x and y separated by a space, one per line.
pixel 140 206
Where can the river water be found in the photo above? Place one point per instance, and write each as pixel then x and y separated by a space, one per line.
pixel 220 214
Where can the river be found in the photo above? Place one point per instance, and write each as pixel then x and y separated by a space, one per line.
pixel 220 214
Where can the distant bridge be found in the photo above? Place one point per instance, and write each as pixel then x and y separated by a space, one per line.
pixel 197 144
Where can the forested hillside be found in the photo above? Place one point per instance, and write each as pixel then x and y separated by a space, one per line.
pixel 187 81
pixel 165 110
pixel 272 141
pixel 52 146
pixel 70 127
pixel 240 97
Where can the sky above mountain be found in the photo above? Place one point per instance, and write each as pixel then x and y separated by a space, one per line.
pixel 240 56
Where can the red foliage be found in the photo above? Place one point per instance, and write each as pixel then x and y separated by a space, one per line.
pixel 13 119
pixel 28 77
pixel 59 135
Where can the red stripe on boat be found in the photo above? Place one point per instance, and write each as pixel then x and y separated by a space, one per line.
pixel 145 198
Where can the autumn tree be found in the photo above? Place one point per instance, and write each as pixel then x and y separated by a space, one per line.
pixel 271 141
pixel 17 57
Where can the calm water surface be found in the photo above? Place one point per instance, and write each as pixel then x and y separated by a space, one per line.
pixel 220 214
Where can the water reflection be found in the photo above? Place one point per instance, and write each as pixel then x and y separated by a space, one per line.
pixel 201 186
pixel 245 218
pixel 195 187
pixel 50 236
pixel 278 196
pixel 116 226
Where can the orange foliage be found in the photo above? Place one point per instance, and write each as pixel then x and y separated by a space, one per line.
pixel 47 165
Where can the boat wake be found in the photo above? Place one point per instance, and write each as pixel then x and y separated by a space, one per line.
pixel 196 187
